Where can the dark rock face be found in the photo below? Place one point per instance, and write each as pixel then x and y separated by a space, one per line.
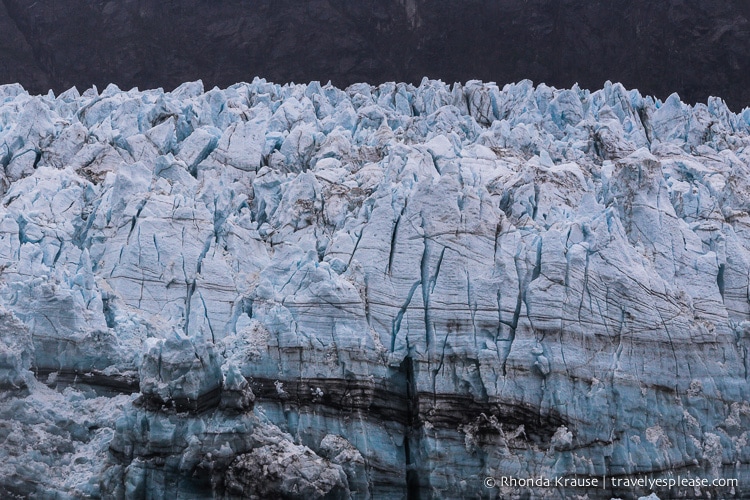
pixel 692 47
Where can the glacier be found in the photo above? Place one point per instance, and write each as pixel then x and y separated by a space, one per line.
pixel 394 291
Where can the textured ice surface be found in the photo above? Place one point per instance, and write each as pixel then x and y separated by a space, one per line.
pixel 300 291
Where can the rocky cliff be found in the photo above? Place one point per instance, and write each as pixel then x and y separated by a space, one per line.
pixel 692 47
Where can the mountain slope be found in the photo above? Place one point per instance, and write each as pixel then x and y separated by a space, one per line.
pixel 692 47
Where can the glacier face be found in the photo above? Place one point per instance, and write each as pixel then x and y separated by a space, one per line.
pixel 376 292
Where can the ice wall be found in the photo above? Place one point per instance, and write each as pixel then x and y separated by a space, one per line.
pixel 376 292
